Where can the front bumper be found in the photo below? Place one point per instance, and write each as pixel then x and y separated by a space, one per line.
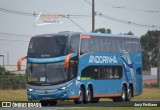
pixel 47 95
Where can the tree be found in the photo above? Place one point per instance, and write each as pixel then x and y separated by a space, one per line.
pixel 103 30
pixel 129 33
pixel 2 70
pixel 149 44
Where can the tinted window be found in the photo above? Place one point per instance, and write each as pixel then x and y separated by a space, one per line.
pixel 74 43
pixel 139 71
pixel 121 45
pixel 102 72
pixel 133 45
pixel 55 46
pixel 104 44
pixel 39 74
pixel 95 44
pixel 110 44
pixel 85 45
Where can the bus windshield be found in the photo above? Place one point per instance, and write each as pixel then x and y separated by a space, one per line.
pixel 46 74
pixel 47 47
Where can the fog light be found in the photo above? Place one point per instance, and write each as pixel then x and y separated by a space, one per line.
pixel 29 96
pixel 64 94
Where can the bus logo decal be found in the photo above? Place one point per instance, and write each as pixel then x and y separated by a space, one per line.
pixel 102 59
pixel 127 63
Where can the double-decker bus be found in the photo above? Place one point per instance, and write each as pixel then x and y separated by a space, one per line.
pixel 83 67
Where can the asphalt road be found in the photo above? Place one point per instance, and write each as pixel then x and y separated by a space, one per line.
pixel 63 105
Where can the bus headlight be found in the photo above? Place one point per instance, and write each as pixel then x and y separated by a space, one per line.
pixel 62 88
pixel 30 90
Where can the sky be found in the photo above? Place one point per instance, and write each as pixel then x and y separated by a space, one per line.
pixel 16 29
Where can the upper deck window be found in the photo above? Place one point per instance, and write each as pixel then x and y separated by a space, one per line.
pixel 47 47
pixel 110 44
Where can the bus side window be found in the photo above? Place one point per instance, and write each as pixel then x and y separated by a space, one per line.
pixel 128 46
pixel 139 71
pixel 109 45
pixel 85 45
pixel 120 45
pixel 74 43
pixel 110 73
pixel 95 44
pixel 112 45
pixel 103 44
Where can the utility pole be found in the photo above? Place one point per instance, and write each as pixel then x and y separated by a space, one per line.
pixel 3 61
pixel 7 58
pixel 158 63
pixel 93 17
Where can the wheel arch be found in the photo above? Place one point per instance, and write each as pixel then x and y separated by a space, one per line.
pixel 91 87
pixel 131 85
pixel 125 85
pixel 83 87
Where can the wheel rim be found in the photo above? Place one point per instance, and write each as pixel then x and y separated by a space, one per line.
pixel 129 94
pixel 123 94
pixel 88 95
pixel 80 95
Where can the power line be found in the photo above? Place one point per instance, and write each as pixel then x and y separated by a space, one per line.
pixel 135 9
pixel 123 21
pixel 18 12
pixel 76 16
pixel 14 34
pixel 87 2
pixel 12 40
pixel 76 24
pixel 128 8
pixel 35 14
pixel 127 22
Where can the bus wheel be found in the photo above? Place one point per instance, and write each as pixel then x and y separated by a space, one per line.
pixel 88 95
pixel 129 94
pixel 52 102
pixel 81 96
pixel 124 94
pixel 95 100
pixel 116 99
pixel 44 103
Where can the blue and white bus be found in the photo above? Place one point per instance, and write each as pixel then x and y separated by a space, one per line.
pixel 83 67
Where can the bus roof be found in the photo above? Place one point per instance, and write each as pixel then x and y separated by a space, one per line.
pixel 70 33
pixel 109 35
pixel 63 33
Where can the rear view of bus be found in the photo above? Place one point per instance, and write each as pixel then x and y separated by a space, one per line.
pixel 83 67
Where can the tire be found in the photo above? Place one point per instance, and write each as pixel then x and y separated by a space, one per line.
pixel 88 95
pixel 123 94
pixel 52 102
pixel 95 100
pixel 129 94
pixel 44 103
pixel 81 96
pixel 116 99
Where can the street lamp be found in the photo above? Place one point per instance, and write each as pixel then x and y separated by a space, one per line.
pixel 3 59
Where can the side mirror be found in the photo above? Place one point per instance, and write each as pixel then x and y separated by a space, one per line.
pixel 20 61
pixel 66 62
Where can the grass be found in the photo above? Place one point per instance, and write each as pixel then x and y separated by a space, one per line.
pixel 148 94
pixel 20 95
pixel 13 95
